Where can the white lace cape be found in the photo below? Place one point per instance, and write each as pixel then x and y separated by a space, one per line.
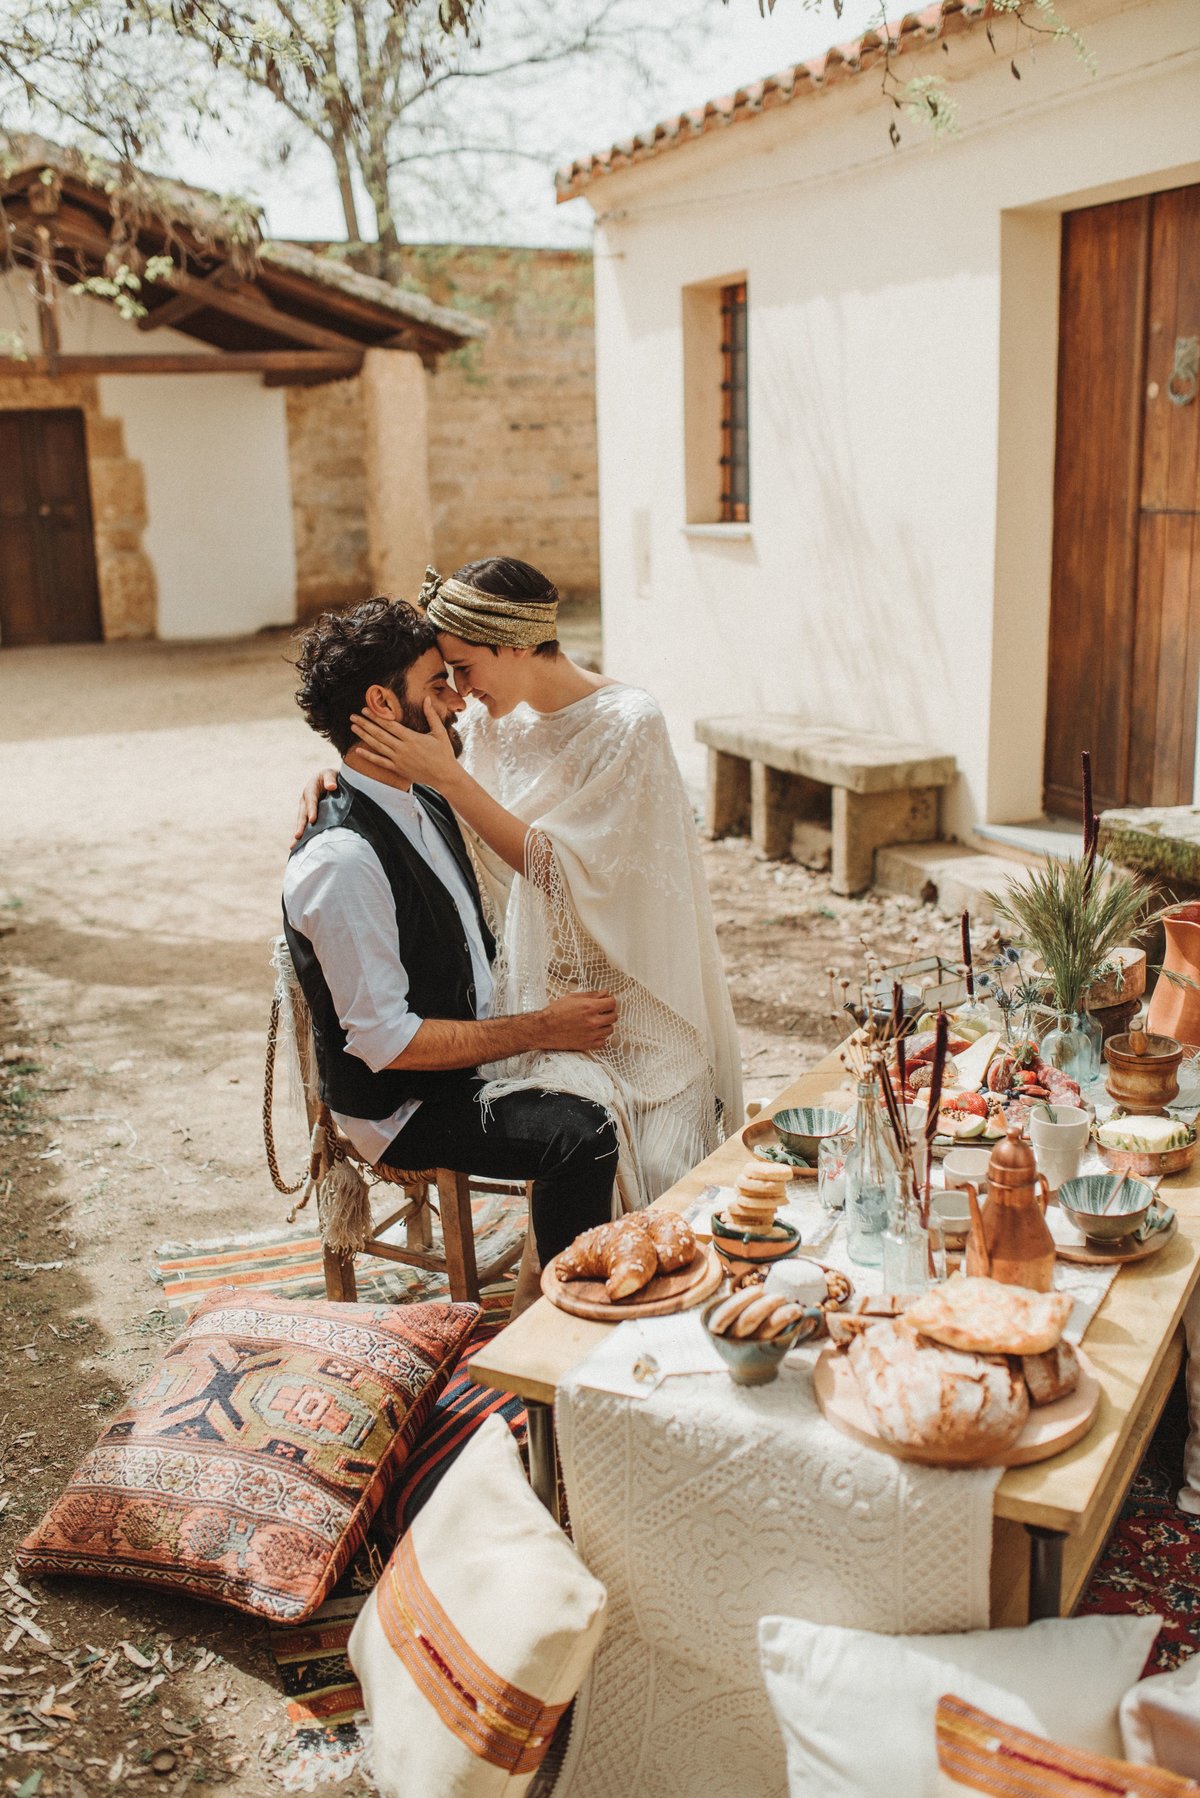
pixel 613 898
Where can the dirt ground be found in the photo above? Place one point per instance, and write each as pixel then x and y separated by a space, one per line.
pixel 145 808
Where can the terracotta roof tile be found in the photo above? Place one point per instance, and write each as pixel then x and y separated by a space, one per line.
pixel 913 31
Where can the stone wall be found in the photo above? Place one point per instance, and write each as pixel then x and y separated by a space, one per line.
pixel 327 453
pixel 128 592
pixel 512 419
pixel 511 438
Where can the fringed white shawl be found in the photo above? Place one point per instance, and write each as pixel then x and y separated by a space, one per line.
pixel 613 898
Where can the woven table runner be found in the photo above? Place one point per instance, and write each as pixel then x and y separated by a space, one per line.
pixel 705 1506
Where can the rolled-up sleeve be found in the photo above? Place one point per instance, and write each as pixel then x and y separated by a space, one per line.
pixel 336 894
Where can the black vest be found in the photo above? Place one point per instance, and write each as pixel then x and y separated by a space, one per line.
pixel 432 945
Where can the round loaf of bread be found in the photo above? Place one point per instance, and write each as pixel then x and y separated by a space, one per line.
pixel 986 1317
pixel 970 1407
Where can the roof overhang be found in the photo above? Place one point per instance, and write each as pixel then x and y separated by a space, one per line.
pixel 311 317
pixel 916 30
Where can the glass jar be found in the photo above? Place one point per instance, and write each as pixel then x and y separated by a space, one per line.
pixel 1074 1046
pixel 872 1179
pixel 914 1254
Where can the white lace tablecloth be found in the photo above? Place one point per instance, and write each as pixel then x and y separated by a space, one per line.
pixel 703 1506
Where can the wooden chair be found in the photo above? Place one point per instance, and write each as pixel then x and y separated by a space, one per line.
pixel 329 1147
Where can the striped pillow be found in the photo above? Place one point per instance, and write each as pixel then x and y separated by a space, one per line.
pixel 477 1636
pixel 977 1753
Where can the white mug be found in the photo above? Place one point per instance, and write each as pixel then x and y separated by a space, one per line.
pixel 1059 1146
pixel 963 1167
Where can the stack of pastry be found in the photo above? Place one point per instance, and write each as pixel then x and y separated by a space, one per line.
pixel 760 1192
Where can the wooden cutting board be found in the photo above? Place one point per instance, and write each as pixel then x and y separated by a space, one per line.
pixel 1049 1429
pixel 665 1293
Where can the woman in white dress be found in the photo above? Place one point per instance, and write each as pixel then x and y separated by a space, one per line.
pixel 587 846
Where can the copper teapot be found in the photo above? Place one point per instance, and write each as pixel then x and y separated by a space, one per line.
pixel 1009 1239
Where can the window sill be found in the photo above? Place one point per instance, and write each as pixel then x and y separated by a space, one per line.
pixel 729 533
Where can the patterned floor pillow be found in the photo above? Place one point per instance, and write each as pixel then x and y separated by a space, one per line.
pixel 978 1753
pixel 248 1466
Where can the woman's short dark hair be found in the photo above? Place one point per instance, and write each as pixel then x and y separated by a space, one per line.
pixel 507 578
pixel 344 653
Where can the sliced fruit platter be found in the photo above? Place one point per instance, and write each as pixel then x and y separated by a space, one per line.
pixel 987 1087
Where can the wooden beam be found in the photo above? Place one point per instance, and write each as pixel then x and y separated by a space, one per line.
pixel 74 229
pixel 184 304
pixel 251 309
pixel 300 364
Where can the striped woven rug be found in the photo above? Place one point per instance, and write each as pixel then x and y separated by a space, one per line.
pixel 290 1262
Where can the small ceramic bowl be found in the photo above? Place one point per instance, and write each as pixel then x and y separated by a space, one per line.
pixel 736 1242
pixel 752 1362
pixel 802 1127
pixel 1087 1200
pixel 951 1210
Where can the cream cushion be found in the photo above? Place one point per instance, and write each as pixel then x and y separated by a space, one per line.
pixel 857 1710
pixel 1160 1720
pixel 478 1635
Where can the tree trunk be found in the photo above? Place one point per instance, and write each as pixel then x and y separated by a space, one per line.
pixel 373 161
pixel 340 150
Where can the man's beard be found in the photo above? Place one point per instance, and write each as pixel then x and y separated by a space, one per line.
pixel 413 718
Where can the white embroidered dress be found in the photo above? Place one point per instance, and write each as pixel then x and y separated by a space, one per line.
pixel 613 898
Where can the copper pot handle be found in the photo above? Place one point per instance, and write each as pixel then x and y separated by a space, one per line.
pixel 1044 1195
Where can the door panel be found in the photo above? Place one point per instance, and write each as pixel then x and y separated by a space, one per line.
pixel 48 586
pixel 1102 322
pixel 1125 607
pixel 19 584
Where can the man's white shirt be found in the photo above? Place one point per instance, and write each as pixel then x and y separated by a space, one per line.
pixel 336 893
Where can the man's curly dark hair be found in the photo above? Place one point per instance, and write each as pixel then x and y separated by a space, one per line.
pixel 344 653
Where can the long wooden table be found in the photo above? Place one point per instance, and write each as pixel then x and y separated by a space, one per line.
pixel 1051 1519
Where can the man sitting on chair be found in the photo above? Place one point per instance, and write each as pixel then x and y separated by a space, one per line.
pixel 386 930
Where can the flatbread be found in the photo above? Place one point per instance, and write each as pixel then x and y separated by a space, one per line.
pixel 984 1317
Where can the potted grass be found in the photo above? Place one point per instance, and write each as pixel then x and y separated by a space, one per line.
pixel 1074 915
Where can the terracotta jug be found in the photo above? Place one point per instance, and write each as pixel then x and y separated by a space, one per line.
pixel 1009 1240
pixel 1175 1010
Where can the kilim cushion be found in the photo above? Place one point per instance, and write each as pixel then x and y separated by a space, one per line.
pixel 977 1753
pixel 248 1466
pixel 477 1636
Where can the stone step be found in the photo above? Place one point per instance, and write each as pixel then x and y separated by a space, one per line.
pixel 946 875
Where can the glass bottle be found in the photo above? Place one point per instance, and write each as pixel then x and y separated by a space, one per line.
pixel 1074 1046
pixel 872 1179
pixel 905 1244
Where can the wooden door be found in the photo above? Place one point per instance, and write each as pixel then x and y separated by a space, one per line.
pixel 48 586
pixel 1125 608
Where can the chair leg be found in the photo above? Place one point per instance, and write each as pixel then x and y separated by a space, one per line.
pixel 339 1278
pixel 418 1231
pixel 454 1198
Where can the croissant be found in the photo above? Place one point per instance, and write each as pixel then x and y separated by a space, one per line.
pixel 673 1239
pixel 627 1254
pixel 622 1254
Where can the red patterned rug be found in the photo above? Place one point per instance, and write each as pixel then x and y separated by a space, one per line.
pixel 1151 1562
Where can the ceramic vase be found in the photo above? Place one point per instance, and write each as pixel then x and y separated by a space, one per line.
pixel 1175 1008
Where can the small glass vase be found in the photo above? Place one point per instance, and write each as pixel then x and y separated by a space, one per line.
pixel 872 1178
pixel 914 1254
pixel 1074 1046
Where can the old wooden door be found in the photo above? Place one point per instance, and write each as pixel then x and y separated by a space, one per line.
pixel 1125 608
pixel 48 587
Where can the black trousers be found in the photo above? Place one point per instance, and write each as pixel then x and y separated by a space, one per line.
pixel 566 1146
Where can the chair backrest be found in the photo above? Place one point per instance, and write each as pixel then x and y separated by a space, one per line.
pixel 291 1020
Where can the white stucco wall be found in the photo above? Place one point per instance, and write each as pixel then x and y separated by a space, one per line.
pixel 214 454
pixel 903 323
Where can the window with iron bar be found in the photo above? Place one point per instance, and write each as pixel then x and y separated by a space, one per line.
pixel 735 407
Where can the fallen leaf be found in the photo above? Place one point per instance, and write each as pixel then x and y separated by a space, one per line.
pixel 145 1662
pixel 116 1770
pixel 29 1786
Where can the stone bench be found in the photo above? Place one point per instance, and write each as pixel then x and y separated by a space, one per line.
pixel 829 796
pixel 1162 841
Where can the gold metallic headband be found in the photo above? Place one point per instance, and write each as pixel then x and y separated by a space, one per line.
pixel 479 617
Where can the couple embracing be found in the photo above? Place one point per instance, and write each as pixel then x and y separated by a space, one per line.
pixel 497 908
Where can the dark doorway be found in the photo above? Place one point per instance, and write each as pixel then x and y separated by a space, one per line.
pixel 1125 609
pixel 48 587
